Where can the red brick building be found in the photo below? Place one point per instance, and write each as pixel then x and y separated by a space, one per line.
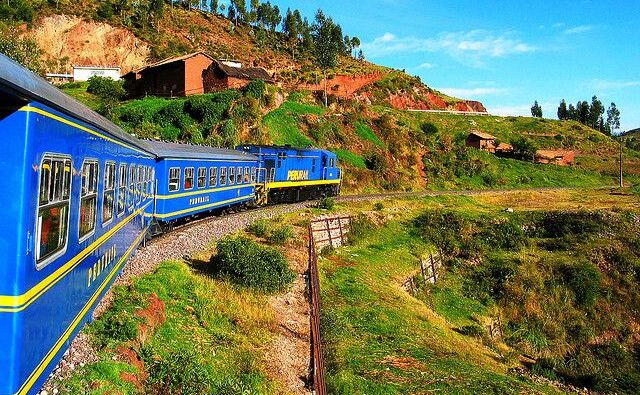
pixel 191 74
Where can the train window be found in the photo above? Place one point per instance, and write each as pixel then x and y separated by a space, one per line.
pixel 223 176
pixel 152 184
pixel 188 178
pixel 202 177
pixel 109 194
pixel 145 182
pixel 132 187
pixel 88 199
pixel 139 185
pixel 253 175
pixel 239 175
pixel 313 165
pixel 122 188
pixel 213 176
pixel 247 176
pixel 174 179
pixel 53 208
pixel 331 162
pixel 232 175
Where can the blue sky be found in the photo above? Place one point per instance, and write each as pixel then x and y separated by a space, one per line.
pixel 504 54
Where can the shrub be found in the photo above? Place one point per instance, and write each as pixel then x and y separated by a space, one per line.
pixel 472 331
pixel 504 235
pixel 115 325
pixel 173 114
pixel 378 206
pixel 583 278
pixel 488 281
pixel 106 88
pixel 326 203
pixel 255 89
pixel 259 228
pixel 180 372
pixel 229 134
pixel 281 235
pixel 252 265
pixel 429 129
pixel 375 162
pixel 524 148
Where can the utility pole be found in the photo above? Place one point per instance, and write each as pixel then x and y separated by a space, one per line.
pixel 621 180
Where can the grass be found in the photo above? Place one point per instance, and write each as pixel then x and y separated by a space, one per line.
pixel 379 340
pixel 354 160
pixel 282 123
pixel 365 133
pixel 212 340
pixel 78 90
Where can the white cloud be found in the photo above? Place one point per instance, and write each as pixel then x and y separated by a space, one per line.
pixel 614 84
pixel 472 92
pixel 579 29
pixel 426 66
pixel 471 46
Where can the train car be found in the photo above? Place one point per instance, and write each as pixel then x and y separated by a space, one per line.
pixel 195 180
pixel 74 195
pixel 292 174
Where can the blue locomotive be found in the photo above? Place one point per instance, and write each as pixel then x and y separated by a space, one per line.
pixel 292 174
pixel 80 195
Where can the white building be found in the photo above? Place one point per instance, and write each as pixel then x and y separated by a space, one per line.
pixel 83 73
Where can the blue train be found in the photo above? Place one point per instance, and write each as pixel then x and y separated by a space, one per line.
pixel 80 195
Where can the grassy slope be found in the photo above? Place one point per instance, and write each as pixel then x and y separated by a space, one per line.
pixel 211 340
pixel 380 340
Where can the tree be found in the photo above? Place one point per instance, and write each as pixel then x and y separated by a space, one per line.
pixel 582 110
pixel 536 110
pixel 563 113
pixel 361 56
pixel 355 43
pixel 572 114
pixel 156 9
pixel 326 47
pixel 291 28
pixel 613 117
pixel 23 50
pixel 595 112
pixel 240 7
pixel 213 7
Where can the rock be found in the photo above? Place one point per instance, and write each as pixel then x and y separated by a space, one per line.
pixel 508 210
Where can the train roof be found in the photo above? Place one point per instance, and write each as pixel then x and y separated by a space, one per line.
pixel 26 85
pixel 279 148
pixel 186 151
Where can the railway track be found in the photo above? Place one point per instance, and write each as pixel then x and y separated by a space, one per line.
pixel 198 235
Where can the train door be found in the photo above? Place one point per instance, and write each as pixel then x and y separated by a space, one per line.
pixel 270 166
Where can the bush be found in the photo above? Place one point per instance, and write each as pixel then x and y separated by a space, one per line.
pixel 255 89
pixel 173 114
pixel 180 372
pixel 106 88
pixel 229 134
pixel 259 228
pixel 252 265
pixel 472 331
pixel 488 281
pixel 429 129
pixel 115 325
pixel 524 148
pixel 326 203
pixel 281 235
pixel 583 278
pixel 375 162
pixel 378 206
pixel 506 235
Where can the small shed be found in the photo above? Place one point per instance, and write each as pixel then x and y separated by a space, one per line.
pixel 83 73
pixel 556 157
pixel 481 141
